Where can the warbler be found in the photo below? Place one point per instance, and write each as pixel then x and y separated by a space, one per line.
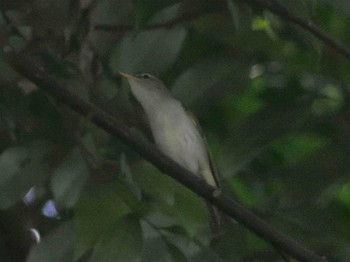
pixel 174 130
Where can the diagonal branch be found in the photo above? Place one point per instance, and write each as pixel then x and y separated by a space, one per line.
pixel 27 68
pixel 271 5
pixel 309 26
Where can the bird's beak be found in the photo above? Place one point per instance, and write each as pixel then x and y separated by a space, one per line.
pixel 126 75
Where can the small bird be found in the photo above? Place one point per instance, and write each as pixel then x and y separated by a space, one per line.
pixel 174 131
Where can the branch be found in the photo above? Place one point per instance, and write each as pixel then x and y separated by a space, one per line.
pixel 282 12
pixel 271 5
pixel 26 67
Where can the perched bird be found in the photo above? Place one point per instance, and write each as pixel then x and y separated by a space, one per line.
pixel 174 131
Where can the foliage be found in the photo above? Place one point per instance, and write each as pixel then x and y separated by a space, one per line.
pixel 271 98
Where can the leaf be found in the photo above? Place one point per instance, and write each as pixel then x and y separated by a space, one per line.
pixel 128 178
pixel 190 211
pixel 180 245
pixel 149 51
pixel 341 5
pixel 153 184
pixel 243 193
pixel 69 179
pixel 234 12
pixel 168 13
pixel 193 83
pixel 110 11
pixel 176 204
pixel 296 147
pixel 176 254
pixel 343 195
pixel 19 168
pixel 145 10
pixel 97 213
pixel 124 243
pixel 57 246
pixel 154 247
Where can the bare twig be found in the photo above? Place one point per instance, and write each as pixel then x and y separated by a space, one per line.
pixel 50 84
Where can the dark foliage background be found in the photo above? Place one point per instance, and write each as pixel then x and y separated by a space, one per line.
pixel 271 98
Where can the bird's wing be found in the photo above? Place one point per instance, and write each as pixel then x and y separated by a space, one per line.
pixel 213 168
pixel 219 221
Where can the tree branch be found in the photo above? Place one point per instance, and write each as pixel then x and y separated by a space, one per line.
pixel 282 12
pixel 271 5
pixel 26 67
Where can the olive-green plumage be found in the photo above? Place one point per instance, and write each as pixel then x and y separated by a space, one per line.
pixel 174 131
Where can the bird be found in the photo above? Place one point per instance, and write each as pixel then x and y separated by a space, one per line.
pixel 175 131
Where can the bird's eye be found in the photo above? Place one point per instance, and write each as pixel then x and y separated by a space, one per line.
pixel 145 76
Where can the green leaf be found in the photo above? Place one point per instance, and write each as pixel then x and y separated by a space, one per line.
pixel 243 193
pixel 97 212
pixel 190 211
pixel 145 10
pixel 263 24
pixel 109 12
pixel 69 179
pixel 295 147
pixel 128 178
pixel 20 167
pixel 124 243
pixel 175 253
pixel 330 101
pixel 176 204
pixel 57 246
pixel 195 82
pixel 341 5
pixel 234 12
pixel 173 204
pixel 343 195
pixel 149 51
pixel 180 245
pixel 156 186
pixel 168 13
pixel 154 247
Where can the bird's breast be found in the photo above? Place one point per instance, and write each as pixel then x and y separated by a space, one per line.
pixel 176 136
